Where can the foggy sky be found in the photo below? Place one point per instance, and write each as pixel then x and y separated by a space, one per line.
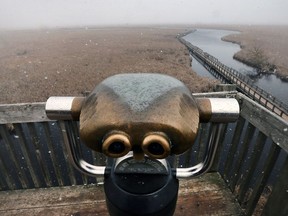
pixel 60 13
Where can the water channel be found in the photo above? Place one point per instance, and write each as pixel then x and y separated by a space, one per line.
pixel 209 40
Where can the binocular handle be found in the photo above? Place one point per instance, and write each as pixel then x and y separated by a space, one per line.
pixel 220 110
pixel 194 171
pixel 215 110
pixel 152 115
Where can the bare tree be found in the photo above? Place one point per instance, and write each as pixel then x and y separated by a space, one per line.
pixel 259 60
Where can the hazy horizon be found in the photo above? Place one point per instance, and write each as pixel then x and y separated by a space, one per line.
pixel 19 14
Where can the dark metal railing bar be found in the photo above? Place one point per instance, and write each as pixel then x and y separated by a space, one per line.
pixel 207 162
pixel 262 179
pixel 187 157
pixel 190 156
pixel 74 129
pixel 203 140
pixel 99 159
pixel 247 141
pixel 3 183
pixel 65 139
pixel 11 153
pixel 27 156
pixel 53 153
pixel 39 154
pixel 176 160
pixel 244 180
pixel 232 151
pixel 6 179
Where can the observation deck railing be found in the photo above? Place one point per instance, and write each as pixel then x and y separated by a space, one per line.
pixel 252 158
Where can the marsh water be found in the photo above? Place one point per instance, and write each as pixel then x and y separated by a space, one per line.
pixel 209 40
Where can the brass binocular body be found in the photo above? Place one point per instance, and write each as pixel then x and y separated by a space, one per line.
pixel 138 120
pixel 149 114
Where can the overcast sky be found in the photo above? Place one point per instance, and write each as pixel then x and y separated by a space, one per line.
pixel 58 13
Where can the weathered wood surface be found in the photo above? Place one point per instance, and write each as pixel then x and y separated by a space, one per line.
pixel 35 112
pixel 206 195
pixel 267 122
pixel 23 112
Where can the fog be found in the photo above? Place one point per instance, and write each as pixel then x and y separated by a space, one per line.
pixel 60 13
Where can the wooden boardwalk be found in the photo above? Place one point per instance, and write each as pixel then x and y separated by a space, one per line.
pixel 207 195
pixel 243 83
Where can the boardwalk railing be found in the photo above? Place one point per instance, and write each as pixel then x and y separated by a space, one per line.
pixel 252 157
pixel 244 84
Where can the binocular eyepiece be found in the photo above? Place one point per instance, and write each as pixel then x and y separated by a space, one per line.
pixel 156 146
pixel 116 145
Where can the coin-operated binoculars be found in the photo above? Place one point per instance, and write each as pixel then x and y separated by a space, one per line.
pixel 137 121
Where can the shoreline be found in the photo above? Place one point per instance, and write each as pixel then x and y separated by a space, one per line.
pixel 265 38
pixel 271 38
pixel 241 56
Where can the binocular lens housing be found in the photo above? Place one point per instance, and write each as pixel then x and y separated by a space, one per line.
pixel 116 145
pixel 156 146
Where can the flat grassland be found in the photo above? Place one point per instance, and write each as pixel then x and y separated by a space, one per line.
pixel 36 64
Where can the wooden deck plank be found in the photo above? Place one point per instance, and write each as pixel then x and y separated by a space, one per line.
pixel 207 195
